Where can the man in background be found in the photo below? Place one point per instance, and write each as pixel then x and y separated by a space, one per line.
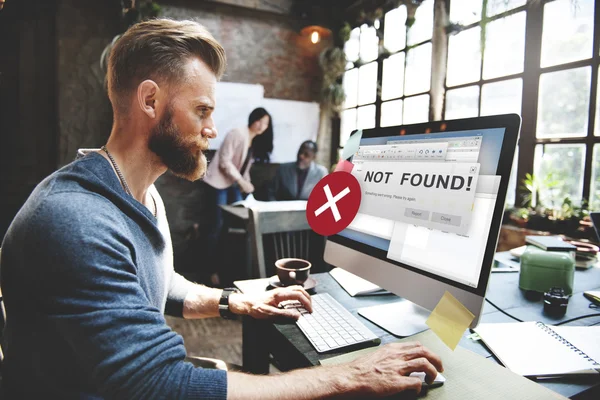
pixel 295 180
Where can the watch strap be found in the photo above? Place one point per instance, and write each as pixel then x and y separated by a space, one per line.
pixel 224 309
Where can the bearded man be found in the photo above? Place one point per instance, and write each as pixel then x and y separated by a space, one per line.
pixel 87 263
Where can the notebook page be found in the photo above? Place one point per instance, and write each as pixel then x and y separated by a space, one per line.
pixel 585 338
pixel 529 350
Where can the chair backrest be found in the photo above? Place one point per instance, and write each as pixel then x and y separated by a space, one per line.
pixel 304 244
pixel 283 234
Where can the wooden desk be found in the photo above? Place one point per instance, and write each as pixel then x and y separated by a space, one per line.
pixel 290 349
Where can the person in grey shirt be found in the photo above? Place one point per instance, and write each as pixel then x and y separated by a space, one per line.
pixel 295 180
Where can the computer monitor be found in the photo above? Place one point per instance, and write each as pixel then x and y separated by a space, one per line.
pixel 433 196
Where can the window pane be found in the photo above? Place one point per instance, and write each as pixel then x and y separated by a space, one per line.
pixel 394 37
pixel 465 12
pixel 418 70
pixel 351 88
pixel 464 57
pixel 512 181
pixel 351 47
pixel 422 29
pixel 393 77
pixel 366 117
pixel 568 31
pixel 367 83
pixel 416 109
pixel 504 46
pixel 369 43
pixel 563 103
pixel 595 186
pixel 462 103
pixel 391 113
pixel 597 124
pixel 558 169
pixel 347 125
pixel 495 7
pixel 502 97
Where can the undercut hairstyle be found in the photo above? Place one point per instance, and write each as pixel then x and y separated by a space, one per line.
pixel 158 49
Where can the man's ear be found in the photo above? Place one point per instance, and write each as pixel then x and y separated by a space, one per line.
pixel 147 97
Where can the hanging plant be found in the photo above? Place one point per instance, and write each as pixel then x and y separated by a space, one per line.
pixel 333 97
pixel 333 63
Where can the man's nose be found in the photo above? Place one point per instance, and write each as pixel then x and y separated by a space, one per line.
pixel 209 133
pixel 210 130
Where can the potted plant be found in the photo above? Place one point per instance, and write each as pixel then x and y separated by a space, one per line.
pixel 556 215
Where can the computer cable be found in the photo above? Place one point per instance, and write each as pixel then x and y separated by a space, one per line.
pixel 578 318
pixel 502 311
pixel 560 323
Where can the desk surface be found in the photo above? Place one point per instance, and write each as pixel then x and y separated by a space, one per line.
pixel 288 340
pixel 240 212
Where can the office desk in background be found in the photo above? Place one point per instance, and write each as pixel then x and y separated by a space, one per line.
pixel 290 349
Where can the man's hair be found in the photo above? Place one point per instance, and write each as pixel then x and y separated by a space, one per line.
pixel 310 144
pixel 158 49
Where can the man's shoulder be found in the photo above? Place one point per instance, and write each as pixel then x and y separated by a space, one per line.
pixel 69 210
pixel 321 169
pixel 286 168
pixel 74 193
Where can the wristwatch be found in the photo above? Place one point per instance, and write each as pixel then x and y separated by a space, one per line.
pixel 224 310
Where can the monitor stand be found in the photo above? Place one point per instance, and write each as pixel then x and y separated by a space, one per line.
pixel 402 318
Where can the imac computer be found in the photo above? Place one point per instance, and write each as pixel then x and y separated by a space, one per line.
pixel 432 202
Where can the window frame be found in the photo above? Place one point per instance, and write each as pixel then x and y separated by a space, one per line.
pixel 529 107
pixel 530 76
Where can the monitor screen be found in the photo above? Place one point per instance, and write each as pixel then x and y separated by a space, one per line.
pixel 430 198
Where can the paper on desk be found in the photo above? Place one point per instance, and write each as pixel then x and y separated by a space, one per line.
pixel 290 205
pixel 449 320
pixel 468 375
pixel 352 144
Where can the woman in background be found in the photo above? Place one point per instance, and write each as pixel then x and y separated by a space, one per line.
pixel 228 174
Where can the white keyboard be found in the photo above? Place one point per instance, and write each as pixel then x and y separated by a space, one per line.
pixel 331 326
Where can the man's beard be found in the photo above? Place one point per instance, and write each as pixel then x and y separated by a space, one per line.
pixel 184 159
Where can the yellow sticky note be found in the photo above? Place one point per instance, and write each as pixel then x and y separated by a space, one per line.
pixel 449 320
pixel 352 144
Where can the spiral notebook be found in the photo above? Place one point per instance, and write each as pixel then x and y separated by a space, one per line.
pixel 539 350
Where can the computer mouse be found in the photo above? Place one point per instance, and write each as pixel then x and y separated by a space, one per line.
pixel 437 382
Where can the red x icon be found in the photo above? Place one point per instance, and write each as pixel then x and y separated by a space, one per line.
pixel 333 203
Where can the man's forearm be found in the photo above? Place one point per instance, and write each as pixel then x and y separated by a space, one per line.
pixel 301 384
pixel 201 302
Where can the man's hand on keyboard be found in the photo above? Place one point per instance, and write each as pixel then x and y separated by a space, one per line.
pixel 266 305
pixel 385 372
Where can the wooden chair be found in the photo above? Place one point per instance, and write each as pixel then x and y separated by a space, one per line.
pixel 283 234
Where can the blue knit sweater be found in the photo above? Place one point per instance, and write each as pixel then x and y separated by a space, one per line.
pixel 85 280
